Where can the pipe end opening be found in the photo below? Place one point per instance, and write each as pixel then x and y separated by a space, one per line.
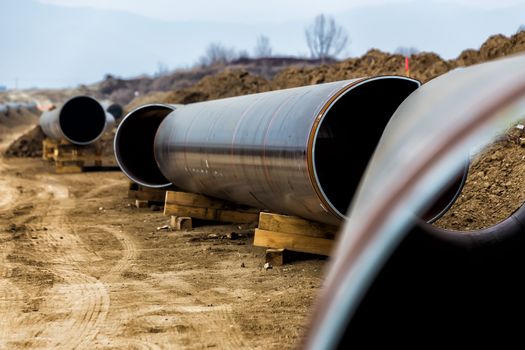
pixel 82 120
pixel 134 145
pixel 349 132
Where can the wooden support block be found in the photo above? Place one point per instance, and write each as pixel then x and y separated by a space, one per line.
pixel 139 203
pixel 293 241
pixel 137 191
pixel 205 208
pixel 68 169
pixel 203 213
pixel 193 200
pixel 275 257
pixel 153 196
pixel 48 149
pixel 294 224
pixel 193 212
pixel 237 216
pixel 181 223
pixel 71 158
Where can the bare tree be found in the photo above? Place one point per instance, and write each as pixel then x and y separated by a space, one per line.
pixel 325 38
pixel 263 47
pixel 406 51
pixel 217 53
pixel 162 69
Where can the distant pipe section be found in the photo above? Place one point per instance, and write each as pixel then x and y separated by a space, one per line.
pixel 114 109
pixel 298 151
pixel 81 120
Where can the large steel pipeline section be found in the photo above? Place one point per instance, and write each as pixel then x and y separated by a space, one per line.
pixel 299 151
pixel 410 282
pixel 81 120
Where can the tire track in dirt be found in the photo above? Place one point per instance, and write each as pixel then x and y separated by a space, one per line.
pixel 209 323
pixel 11 304
pixel 129 253
pixel 94 192
pixel 61 246
pixel 11 298
pixel 221 330
pixel 8 195
pixel 88 303
pixel 84 297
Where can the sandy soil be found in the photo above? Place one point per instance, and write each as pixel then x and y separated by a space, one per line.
pixel 81 268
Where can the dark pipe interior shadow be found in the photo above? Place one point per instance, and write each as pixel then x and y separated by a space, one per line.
pixel 134 145
pixel 82 119
pixel 350 132
pixel 441 291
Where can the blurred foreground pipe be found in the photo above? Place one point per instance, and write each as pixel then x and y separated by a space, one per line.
pixel 298 151
pixel 424 285
pixel 81 120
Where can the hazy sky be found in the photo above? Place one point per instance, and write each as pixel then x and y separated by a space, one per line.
pixel 57 43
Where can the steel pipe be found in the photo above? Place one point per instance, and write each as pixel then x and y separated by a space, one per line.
pixel 409 283
pixel 81 120
pixel 133 144
pixel 286 150
pixel 114 109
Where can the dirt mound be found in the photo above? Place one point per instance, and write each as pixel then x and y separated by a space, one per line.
pixel 228 83
pixel 28 145
pixel 496 46
pixel 154 97
pixel 517 42
pixel 494 187
pixel 466 58
pixel 423 66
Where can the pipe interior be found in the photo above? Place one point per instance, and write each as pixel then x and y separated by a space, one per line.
pixel 349 133
pixel 82 119
pixel 134 145
pixel 433 289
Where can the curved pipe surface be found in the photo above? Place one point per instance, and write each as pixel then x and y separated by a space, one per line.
pixel 81 120
pixel 286 150
pixel 134 142
pixel 479 293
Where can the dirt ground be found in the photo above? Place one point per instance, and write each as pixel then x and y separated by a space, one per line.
pixel 494 186
pixel 82 268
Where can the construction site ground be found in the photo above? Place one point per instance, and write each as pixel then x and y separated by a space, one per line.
pixel 80 267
